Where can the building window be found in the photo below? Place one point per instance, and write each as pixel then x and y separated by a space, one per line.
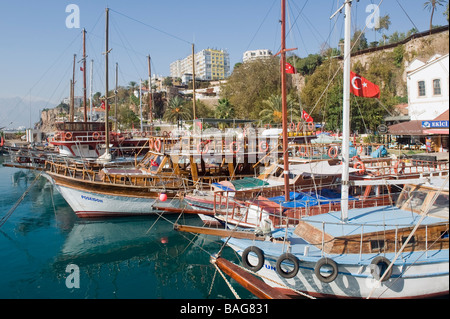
pixel 437 87
pixel 421 88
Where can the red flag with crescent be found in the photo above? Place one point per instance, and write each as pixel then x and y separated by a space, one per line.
pixel 289 68
pixel 360 86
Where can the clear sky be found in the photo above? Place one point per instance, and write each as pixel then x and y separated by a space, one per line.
pixel 37 48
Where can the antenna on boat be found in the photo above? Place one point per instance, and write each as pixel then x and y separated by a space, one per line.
pixel 345 112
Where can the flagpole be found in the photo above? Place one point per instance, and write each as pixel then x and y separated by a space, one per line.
pixel 283 100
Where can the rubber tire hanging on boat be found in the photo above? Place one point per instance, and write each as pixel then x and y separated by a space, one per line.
pixel 380 260
pixel 258 252
pixel 291 258
pixel 326 261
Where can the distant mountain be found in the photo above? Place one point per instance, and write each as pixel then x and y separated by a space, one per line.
pixel 17 112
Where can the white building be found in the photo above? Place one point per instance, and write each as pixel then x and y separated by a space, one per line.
pixel 428 87
pixel 210 64
pixel 256 54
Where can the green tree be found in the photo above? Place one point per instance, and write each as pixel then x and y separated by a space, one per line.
pixel 252 83
pixel 224 109
pixel 272 112
pixel 431 5
pixel 384 23
pixel 126 117
pixel 177 110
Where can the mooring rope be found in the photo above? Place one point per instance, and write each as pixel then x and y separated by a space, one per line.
pixel 9 213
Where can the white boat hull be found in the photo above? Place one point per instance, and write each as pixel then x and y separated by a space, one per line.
pixel 421 280
pixel 90 204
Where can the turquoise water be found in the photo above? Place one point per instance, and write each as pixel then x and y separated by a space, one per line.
pixel 141 257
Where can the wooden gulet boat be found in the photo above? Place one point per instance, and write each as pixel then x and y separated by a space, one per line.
pixel 394 251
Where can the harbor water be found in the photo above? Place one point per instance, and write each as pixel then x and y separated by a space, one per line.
pixel 47 252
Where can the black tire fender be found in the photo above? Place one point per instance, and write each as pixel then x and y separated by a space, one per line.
pixel 291 258
pixel 259 254
pixel 326 261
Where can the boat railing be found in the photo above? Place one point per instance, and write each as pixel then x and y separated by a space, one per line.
pixel 408 167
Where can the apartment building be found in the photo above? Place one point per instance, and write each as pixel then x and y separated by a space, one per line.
pixel 210 64
pixel 256 54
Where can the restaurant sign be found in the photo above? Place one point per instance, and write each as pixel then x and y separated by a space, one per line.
pixel 434 124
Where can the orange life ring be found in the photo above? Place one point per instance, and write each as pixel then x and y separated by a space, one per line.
pixel 68 135
pixel 299 126
pixel 402 167
pixel 334 153
pixel 157 145
pixel 356 158
pixel 267 126
pixel 95 135
pixel 232 148
pixel 2 141
pixel 360 167
pixel 150 143
pixel 311 126
pixel 292 126
pixel 263 149
pixel 204 149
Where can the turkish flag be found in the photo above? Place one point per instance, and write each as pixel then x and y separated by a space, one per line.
pixel 290 69
pixel 307 117
pixel 360 86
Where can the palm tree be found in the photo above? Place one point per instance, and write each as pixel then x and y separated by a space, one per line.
pixel 176 110
pixel 431 5
pixel 272 113
pixel 224 109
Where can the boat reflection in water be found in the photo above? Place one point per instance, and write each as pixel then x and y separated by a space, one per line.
pixel 140 257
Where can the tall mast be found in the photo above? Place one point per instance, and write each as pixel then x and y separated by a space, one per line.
pixel 106 84
pixel 84 75
pixel 193 80
pixel 150 106
pixel 115 97
pixel 91 72
pixel 283 99
pixel 140 104
pixel 72 93
pixel 346 115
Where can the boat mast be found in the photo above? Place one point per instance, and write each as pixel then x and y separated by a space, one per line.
pixel 116 127
pixel 140 104
pixel 283 99
pixel 106 86
pixel 193 82
pixel 346 115
pixel 90 89
pixel 84 75
pixel 150 107
pixel 72 92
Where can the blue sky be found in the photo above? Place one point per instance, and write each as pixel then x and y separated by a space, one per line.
pixel 36 47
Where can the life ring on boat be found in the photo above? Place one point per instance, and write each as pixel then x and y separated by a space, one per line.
pixel 202 149
pixel 68 135
pixel 266 126
pixel 2 141
pixel 292 126
pixel 360 167
pixel 333 152
pixel 232 147
pixel 402 167
pixel 288 274
pixel 299 126
pixel 157 145
pixel 259 254
pixel 360 149
pixel 150 144
pixel 334 269
pixel 356 158
pixel 311 126
pixel 263 149
pixel 95 135
pixel 376 262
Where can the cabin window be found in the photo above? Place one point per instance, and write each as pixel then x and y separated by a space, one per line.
pixel 411 242
pixel 377 245
pixel 440 206
pixel 444 234
pixel 421 87
pixel 437 87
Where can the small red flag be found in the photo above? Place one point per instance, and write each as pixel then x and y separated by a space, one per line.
pixel 307 117
pixel 290 69
pixel 81 68
pixel 360 86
